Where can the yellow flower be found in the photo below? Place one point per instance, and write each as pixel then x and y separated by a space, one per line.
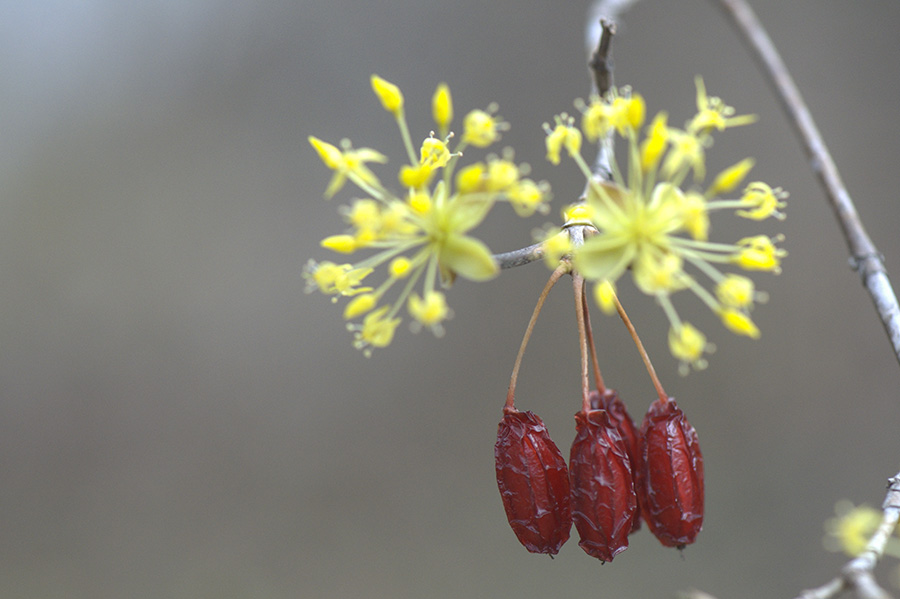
pixel 359 305
pixel 739 322
pixel 624 113
pixel 647 224
pixel 344 244
pixel 655 144
pixel 377 330
pixel 695 214
pixel 736 291
pixel 564 135
pixel 501 174
pixel 434 153
pixel 713 113
pixel 400 267
pixel 685 152
pixel 688 345
pixel 335 279
pixel 605 296
pixel 763 201
pixel 347 164
pixel 471 178
pixel 389 94
pixel 759 253
pixel 442 108
pixel 851 530
pixel 423 236
pixel 595 120
pixel 730 178
pixel 416 176
pixel 430 311
pixel 528 197
pixel 480 129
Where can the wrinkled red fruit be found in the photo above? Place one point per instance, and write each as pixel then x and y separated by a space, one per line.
pixel 672 486
pixel 609 400
pixel 533 481
pixel 603 496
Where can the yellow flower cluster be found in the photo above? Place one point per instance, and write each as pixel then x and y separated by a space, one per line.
pixel 421 233
pixel 853 527
pixel 647 220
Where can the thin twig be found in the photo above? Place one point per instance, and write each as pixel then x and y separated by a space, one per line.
pixel 858 574
pixel 600 63
pixel 520 257
pixel 601 59
pixel 864 257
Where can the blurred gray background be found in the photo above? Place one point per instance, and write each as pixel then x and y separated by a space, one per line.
pixel 178 419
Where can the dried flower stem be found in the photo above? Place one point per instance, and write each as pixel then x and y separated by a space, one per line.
pixel 581 317
pixel 598 378
pixel 554 277
pixel 663 396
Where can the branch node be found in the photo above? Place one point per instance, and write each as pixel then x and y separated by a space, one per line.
pixel 601 60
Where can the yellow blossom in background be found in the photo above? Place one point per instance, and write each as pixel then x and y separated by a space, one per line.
pixel 422 237
pixel 852 528
pixel 376 330
pixel 481 128
pixel 605 296
pixel 563 135
pixel 430 311
pixel 653 221
pixel 688 345
pixel 713 113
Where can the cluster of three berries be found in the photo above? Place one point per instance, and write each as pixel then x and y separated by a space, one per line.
pixel 616 475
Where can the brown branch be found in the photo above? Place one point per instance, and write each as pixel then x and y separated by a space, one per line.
pixel 864 257
pixel 601 60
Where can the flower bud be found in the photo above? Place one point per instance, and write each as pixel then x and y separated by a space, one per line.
pixel 672 486
pixel 533 481
pixel 610 401
pixel 603 498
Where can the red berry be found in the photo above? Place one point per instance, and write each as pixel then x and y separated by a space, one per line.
pixel 533 481
pixel 672 486
pixel 609 400
pixel 603 497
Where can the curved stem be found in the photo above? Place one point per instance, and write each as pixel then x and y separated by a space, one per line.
pixel 663 396
pixel 511 391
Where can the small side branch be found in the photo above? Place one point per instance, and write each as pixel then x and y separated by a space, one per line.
pixel 864 257
pixel 521 256
pixel 858 575
pixel 601 60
